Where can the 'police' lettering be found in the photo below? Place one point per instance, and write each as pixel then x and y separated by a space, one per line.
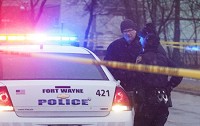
pixel 63 102
pixel 40 102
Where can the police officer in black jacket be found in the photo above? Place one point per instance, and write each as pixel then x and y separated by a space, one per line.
pixel 125 49
pixel 152 94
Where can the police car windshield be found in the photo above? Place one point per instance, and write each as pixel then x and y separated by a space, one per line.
pixel 21 67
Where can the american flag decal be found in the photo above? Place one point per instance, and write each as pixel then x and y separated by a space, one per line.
pixel 20 92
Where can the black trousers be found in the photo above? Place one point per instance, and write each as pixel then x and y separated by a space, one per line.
pixel 150 115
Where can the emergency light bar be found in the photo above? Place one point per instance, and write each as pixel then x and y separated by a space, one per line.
pixel 36 37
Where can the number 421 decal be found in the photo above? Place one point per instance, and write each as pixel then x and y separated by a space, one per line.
pixel 103 93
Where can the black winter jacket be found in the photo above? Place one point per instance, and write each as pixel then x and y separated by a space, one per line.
pixel 150 80
pixel 121 51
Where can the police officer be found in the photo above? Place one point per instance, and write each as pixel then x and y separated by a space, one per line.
pixel 149 28
pixel 125 49
pixel 153 92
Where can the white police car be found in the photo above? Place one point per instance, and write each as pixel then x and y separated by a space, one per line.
pixel 39 86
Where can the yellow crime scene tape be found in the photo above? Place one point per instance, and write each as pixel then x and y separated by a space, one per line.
pixel 162 42
pixel 178 47
pixel 180 43
pixel 120 65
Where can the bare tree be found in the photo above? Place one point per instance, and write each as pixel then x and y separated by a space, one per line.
pixel 90 7
pixel 1 2
pixel 132 11
pixel 176 52
pixel 99 8
pixel 191 17
pixel 171 18
pixel 159 13
pixel 35 15
pixel 128 9
pixel 192 9
pixel 125 8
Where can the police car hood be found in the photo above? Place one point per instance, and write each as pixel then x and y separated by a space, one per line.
pixel 46 98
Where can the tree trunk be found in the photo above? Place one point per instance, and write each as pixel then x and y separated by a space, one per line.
pixel 128 11
pixel 176 52
pixel 1 2
pixel 87 31
pixel 195 34
pixel 35 17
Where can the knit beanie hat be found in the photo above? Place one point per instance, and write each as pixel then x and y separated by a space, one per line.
pixel 149 28
pixel 126 24
pixel 151 41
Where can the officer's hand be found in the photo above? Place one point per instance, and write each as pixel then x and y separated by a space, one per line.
pixel 169 87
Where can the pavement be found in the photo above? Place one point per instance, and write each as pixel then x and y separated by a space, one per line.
pixel 189 86
pixel 185 110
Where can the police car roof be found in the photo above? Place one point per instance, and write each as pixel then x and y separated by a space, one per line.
pixel 45 48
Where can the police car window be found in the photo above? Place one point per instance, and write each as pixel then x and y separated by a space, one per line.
pixel 33 68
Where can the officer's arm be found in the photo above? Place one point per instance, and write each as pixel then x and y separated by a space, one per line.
pixel 112 56
pixel 174 80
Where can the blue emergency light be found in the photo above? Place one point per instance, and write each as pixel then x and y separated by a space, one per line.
pixel 192 48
